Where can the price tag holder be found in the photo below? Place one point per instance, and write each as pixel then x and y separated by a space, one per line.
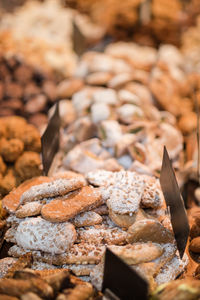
pixel 50 140
pixel 175 203
pixel 120 281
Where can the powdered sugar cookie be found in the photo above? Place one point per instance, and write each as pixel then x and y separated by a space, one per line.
pixel 82 253
pixel 151 195
pixel 87 219
pixel 39 234
pixel 12 200
pixel 101 234
pixel 62 210
pixel 5 264
pixel 54 187
pixel 29 209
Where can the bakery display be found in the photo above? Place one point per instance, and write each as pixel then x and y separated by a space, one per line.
pixel 120 101
pixel 66 221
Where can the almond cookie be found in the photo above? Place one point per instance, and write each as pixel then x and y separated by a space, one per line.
pixel 88 218
pixel 138 253
pixel 12 200
pixel 39 234
pixel 102 234
pixel 54 187
pixel 65 209
pixel 29 209
pixel 149 230
pixel 82 253
pixel 5 264
pixel 151 196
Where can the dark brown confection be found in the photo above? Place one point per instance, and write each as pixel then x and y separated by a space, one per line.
pixel 28 165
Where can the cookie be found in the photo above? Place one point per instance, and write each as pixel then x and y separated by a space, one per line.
pixel 137 253
pixel 5 264
pixel 151 196
pixel 88 218
pixel 123 190
pixel 149 230
pixel 29 209
pixel 52 188
pixel 12 200
pixel 39 234
pixel 63 210
pixel 82 253
pixel 101 234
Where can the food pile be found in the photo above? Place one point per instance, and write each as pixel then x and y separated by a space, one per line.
pixel 113 122
pixel 42 33
pixel 20 146
pixel 66 221
pixel 147 22
pixel 21 282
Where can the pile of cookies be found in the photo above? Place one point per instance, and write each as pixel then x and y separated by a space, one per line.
pixel 42 32
pixel 66 221
pixel 113 121
pixel 20 282
pixel 20 146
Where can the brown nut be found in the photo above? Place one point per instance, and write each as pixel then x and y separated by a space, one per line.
pixel 194 231
pixel 28 165
pixel 195 245
pixel 11 149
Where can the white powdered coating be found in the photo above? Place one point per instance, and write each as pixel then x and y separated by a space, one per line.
pixel 83 253
pixel 125 191
pixel 13 220
pixel 111 133
pixel 101 234
pixel 39 234
pixel 96 276
pixel 29 209
pixel 171 269
pixel 37 265
pixel 53 188
pixel 5 264
pixel 87 219
pixel 151 196
pixel 10 234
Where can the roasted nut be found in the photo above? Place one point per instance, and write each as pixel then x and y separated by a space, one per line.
pixel 11 149
pixel 28 165
pixel 195 245
pixel 194 231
